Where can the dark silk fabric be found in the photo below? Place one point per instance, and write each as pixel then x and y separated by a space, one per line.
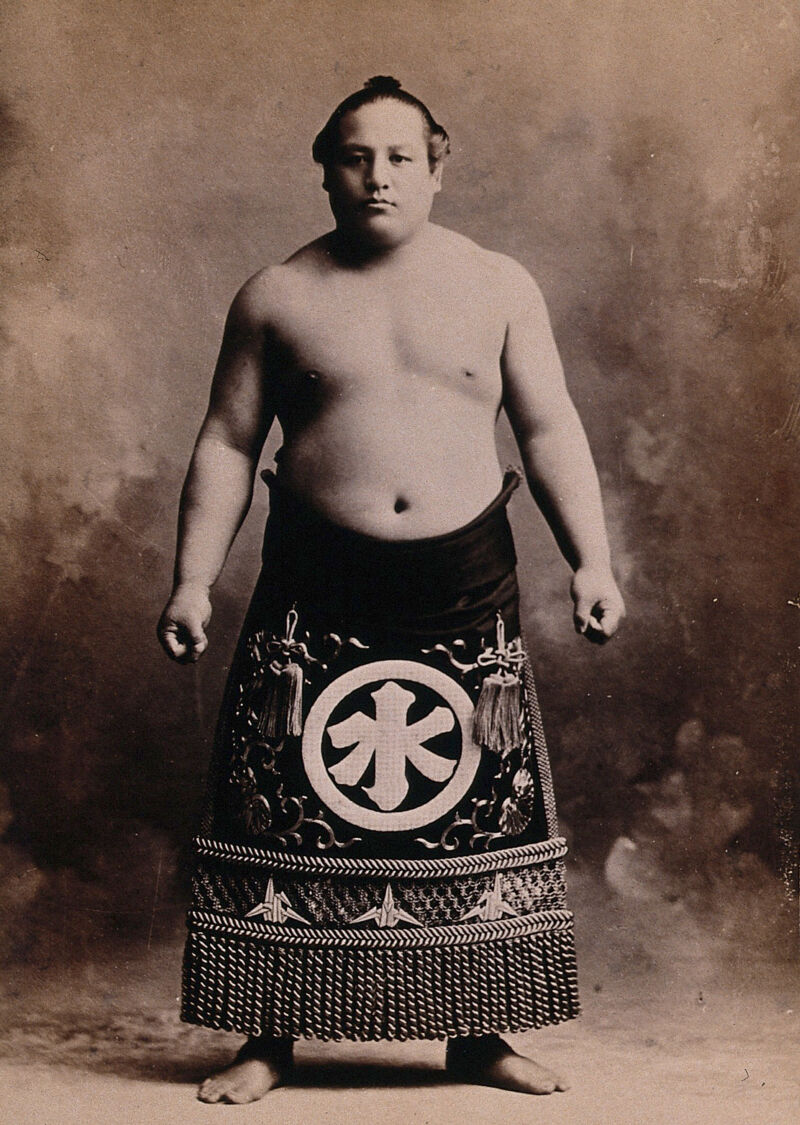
pixel 424 589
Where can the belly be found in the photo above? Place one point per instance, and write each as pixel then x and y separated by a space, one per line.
pixel 396 470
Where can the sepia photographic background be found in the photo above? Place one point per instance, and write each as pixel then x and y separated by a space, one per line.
pixel 641 160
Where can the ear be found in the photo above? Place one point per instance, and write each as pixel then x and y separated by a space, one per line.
pixel 437 176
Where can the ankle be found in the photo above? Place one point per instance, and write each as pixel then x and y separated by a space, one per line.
pixel 468 1047
pixel 279 1052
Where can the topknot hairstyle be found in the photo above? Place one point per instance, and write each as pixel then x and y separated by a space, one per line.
pixel 384 82
pixel 381 87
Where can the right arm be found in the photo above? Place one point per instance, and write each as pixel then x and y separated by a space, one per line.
pixel 557 458
pixel 219 484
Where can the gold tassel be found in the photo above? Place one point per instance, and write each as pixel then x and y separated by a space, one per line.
pixel 482 720
pixel 283 708
pixel 293 673
pixel 282 713
pixel 495 723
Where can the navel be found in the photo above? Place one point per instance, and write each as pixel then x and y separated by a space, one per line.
pixel 400 504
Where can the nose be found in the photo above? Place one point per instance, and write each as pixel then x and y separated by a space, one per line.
pixel 377 174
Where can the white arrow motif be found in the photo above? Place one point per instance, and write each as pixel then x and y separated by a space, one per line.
pixel 387 915
pixel 392 742
pixel 275 907
pixel 491 905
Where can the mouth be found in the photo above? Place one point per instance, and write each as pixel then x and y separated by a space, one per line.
pixel 376 204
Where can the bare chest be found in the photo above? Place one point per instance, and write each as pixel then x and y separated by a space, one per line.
pixel 345 335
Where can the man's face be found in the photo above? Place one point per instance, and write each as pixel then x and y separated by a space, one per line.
pixel 380 185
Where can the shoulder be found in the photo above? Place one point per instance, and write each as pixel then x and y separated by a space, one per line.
pixel 254 304
pixel 509 283
pixel 265 297
pixel 518 290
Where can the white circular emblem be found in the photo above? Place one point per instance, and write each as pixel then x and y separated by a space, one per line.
pixel 368 727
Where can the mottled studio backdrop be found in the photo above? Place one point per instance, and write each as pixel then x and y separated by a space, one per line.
pixel 641 159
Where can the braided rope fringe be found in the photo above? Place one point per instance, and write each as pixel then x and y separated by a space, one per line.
pixel 444 867
pixel 392 938
pixel 342 992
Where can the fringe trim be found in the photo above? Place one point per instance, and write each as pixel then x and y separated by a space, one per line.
pixel 510 984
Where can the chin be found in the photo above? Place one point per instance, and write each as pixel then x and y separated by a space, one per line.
pixel 384 239
pixel 382 233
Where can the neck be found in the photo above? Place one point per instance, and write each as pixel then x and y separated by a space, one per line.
pixel 350 250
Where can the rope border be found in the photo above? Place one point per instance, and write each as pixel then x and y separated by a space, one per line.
pixel 547 921
pixel 534 715
pixel 447 866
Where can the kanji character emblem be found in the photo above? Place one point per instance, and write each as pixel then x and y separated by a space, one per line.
pixel 388 746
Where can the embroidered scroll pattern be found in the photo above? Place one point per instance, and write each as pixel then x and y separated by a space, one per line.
pixel 267 811
pixel 509 808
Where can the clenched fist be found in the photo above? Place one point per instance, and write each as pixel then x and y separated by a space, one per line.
pixel 182 626
pixel 599 607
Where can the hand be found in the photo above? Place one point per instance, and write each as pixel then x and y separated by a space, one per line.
pixel 599 607
pixel 182 626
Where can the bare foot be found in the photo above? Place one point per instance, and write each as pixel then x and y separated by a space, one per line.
pixel 487 1060
pixel 260 1066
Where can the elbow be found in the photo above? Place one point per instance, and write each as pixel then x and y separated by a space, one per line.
pixel 215 441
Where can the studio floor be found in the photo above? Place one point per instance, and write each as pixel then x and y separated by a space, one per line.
pixel 673 1034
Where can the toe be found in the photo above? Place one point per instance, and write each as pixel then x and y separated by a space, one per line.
pixel 240 1094
pixel 544 1086
pixel 208 1092
pixel 528 1077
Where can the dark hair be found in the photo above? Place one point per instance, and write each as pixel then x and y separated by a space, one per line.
pixel 380 88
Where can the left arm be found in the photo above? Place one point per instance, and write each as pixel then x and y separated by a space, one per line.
pixel 557 459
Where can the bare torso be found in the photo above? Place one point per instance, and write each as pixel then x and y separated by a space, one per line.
pixel 386 380
pixel 385 349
